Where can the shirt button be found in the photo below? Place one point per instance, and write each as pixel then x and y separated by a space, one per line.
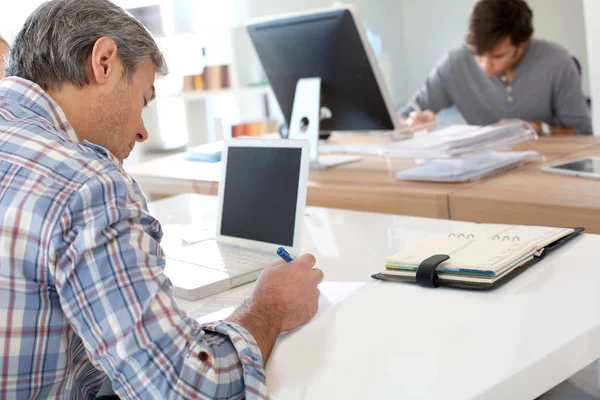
pixel 509 89
pixel 203 356
pixel 510 99
pixel 503 78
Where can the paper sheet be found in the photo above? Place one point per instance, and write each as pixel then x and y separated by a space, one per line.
pixel 466 168
pixel 460 140
pixel 223 306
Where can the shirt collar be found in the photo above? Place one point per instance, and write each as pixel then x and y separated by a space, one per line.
pixel 32 97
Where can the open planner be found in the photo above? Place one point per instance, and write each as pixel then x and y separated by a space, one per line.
pixel 480 257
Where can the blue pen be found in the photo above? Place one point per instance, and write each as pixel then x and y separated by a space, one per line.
pixel 281 252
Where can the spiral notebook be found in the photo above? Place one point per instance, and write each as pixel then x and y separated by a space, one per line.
pixel 479 257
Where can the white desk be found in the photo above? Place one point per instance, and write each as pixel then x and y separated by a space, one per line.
pixel 402 341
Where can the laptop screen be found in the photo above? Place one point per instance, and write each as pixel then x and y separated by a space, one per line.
pixel 261 194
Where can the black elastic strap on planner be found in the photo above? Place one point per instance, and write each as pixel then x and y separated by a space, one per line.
pixel 426 275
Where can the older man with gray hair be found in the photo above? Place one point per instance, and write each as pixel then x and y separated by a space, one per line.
pixel 83 296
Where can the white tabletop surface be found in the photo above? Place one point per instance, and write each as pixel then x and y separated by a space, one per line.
pixel 393 340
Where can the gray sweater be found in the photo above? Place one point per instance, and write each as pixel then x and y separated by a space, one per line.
pixel 546 87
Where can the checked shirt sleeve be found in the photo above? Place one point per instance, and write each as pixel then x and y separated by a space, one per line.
pixel 109 277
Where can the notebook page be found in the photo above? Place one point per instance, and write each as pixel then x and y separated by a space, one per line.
pixel 540 235
pixel 466 255
pixel 492 255
pixel 431 245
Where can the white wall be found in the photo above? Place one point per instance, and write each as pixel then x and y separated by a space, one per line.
pixel 380 15
pixel 415 34
pixel 428 28
pixel 14 15
pixel 562 21
pixel 592 14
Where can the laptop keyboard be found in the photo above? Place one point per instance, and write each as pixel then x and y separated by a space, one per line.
pixel 226 258
pixel 239 261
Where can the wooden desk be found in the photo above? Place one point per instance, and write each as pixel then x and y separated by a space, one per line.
pixel 556 147
pixel 363 186
pixel 530 196
pixel 367 186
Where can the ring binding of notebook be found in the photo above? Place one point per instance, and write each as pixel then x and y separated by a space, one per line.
pixel 427 274
pixel 495 237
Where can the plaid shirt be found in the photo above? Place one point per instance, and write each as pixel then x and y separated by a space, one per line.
pixel 82 289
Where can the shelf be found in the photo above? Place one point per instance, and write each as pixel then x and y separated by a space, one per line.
pixel 205 94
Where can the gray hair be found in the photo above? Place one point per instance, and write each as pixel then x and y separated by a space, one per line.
pixel 57 39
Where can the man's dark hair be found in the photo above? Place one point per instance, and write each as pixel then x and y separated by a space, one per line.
pixel 491 21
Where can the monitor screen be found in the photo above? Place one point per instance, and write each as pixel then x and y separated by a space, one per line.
pixel 326 45
pixel 261 194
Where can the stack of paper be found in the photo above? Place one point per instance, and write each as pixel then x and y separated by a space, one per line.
pixel 459 140
pixel 468 167
pixel 221 307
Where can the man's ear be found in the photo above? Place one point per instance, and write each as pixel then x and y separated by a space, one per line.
pixel 104 62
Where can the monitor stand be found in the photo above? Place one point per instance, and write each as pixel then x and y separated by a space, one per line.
pixel 306 117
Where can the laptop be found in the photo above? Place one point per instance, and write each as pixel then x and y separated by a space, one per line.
pixel 262 195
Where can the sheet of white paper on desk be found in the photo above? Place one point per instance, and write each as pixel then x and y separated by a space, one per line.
pixel 439 138
pixel 455 130
pixel 318 225
pixel 223 306
pixel 459 140
pixel 466 168
pixel 186 235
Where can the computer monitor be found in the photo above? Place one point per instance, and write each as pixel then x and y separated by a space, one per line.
pixel 330 45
